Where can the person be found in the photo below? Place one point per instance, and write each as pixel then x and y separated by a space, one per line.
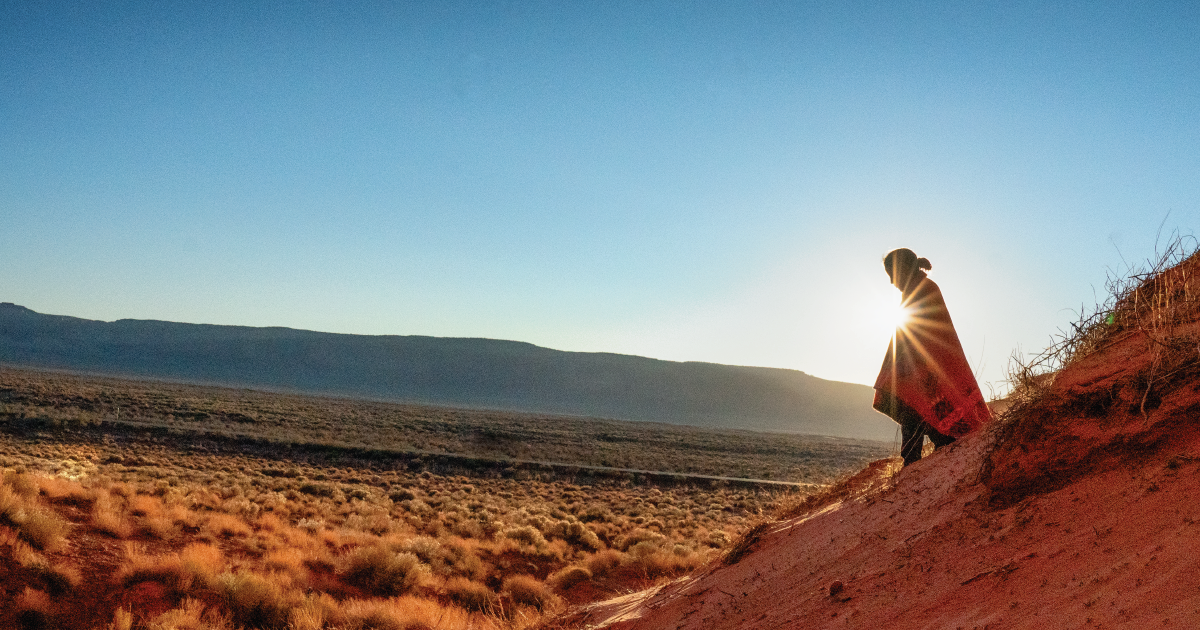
pixel 925 383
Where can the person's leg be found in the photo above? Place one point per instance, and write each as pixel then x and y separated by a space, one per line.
pixel 912 437
pixel 939 440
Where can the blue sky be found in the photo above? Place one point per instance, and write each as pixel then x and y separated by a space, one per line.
pixel 689 181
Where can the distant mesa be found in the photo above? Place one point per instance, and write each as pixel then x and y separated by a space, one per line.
pixel 460 372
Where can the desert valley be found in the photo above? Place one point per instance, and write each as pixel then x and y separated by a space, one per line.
pixel 150 504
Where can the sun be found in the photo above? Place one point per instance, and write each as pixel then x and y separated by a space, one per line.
pixel 881 312
pixel 897 316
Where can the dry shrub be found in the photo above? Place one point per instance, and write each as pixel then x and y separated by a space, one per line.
pixel 160 526
pixel 60 490
pixel 23 553
pixel 470 595
pixel 526 535
pixel 456 556
pixel 875 477
pixel 379 571
pixel 270 523
pixel 222 525
pixel 655 560
pixel 638 536
pixel 165 569
pixel 145 505
pixel 201 561
pixel 1151 300
pixel 378 524
pixel 578 534
pixel 10 501
pixel 315 612
pixel 746 542
pixel 41 527
pixel 190 615
pixel 180 515
pixel 108 518
pixel 567 577
pixel 255 601
pixel 428 549
pixel 24 484
pixel 526 590
pixel 287 559
pixel 403 613
pixel 602 563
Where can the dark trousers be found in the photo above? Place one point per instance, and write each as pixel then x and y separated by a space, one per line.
pixel 912 429
pixel 912 437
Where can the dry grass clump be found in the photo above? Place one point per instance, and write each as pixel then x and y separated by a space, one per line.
pixel 639 536
pixel 526 590
pixel 567 577
pixel 875 477
pixel 409 613
pixel 256 601
pixel 166 569
pixel 1151 314
pixel 526 535
pixel 380 571
pixel 201 561
pixel 471 595
pixel 64 491
pixel 1151 301
pixel 109 518
pixel 41 526
pixel 225 525
pixel 191 614
pixel 56 577
pixel 604 562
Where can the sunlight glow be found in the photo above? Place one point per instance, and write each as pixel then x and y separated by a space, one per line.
pixel 896 316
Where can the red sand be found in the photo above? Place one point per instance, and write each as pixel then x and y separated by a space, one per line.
pixel 1084 514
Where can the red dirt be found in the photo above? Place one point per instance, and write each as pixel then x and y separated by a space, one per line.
pixel 1079 512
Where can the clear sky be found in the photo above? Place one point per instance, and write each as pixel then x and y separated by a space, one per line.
pixel 712 181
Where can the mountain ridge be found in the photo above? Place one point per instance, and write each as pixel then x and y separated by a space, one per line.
pixel 451 371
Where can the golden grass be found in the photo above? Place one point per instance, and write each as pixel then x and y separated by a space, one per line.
pixel 604 562
pixel 471 595
pixel 40 526
pixel 566 578
pixel 527 590
pixel 224 525
pixel 139 566
pixel 256 601
pixel 191 614
pixel 380 571
pixel 108 516
pixel 60 490
pixel 370 547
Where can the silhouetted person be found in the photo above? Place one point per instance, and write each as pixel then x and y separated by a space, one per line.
pixel 926 384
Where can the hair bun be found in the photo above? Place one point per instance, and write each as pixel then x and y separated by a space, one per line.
pixel 923 263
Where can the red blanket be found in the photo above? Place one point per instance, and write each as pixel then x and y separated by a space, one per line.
pixel 926 369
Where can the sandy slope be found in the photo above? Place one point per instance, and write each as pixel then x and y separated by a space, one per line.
pixel 1081 512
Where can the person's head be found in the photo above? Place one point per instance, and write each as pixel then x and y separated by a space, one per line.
pixel 903 267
